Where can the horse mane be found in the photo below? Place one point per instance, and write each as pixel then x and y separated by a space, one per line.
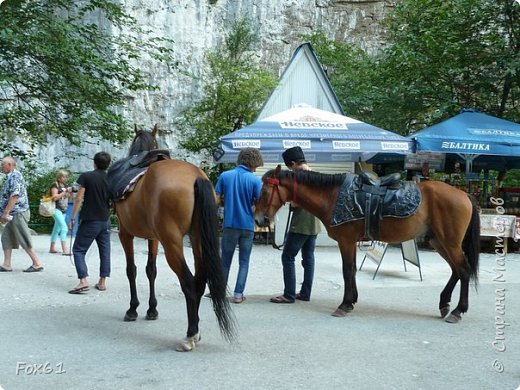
pixel 143 141
pixel 311 178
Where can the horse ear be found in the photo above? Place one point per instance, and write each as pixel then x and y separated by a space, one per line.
pixel 155 129
pixel 277 170
pixel 135 128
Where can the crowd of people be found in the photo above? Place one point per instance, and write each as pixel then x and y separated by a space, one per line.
pixel 237 190
pixel 91 204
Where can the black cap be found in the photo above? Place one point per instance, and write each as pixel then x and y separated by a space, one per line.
pixel 293 154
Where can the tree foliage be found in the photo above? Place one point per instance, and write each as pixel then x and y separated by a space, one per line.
pixel 234 89
pixel 351 72
pixel 439 56
pixel 66 68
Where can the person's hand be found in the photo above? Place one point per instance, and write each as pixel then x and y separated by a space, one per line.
pixel 5 218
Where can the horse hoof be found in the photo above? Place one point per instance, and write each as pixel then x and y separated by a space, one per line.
pixel 152 316
pixel 130 317
pixel 188 343
pixel 453 318
pixel 445 311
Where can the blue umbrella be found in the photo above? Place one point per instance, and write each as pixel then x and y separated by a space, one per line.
pixel 324 136
pixel 479 139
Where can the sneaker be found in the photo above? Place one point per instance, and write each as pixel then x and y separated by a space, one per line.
pixel 239 300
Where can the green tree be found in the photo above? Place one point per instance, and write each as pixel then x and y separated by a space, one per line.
pixel 63 75
pixel 350 70
pixel 439 56
pixel 233 92
pixel 442 56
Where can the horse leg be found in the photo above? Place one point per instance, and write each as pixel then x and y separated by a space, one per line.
pixel 462 307
pixel 348 256
pixel 456 260
pixel 196 290
pixel 445 297
pixel 192 306
pixel 151 273
pixel 468 258
pixel 175 258
pixel 127 241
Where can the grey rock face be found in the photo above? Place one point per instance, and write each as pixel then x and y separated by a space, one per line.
pixel 198 26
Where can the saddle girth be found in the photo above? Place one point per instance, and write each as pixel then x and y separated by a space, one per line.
pixel 373 191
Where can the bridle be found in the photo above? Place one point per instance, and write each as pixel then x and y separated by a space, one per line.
pixel 143 141
pixel 274 182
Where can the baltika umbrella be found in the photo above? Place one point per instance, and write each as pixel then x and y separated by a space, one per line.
pixel 324 136
pixel 483 141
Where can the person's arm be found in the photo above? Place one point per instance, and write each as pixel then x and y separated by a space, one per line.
pixel 77 205
pixel 57 195
pixel 10 205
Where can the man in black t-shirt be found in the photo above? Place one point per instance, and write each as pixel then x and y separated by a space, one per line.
pixel 94 222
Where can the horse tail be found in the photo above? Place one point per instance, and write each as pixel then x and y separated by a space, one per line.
pixel 471 243
pixel 205 212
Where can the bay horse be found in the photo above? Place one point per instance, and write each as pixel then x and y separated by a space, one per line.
pixel 447 215
pixel 172 199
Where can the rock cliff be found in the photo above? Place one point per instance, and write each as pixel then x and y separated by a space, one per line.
pixel 197 26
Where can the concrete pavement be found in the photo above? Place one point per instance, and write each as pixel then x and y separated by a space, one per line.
pixel 392 340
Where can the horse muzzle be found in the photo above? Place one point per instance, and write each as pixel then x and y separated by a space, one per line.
pixel 262 221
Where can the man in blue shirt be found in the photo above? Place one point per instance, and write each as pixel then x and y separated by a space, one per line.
pixel 239 189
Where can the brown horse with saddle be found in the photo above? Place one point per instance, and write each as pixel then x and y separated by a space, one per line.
pixel 353 207
pixel 162 200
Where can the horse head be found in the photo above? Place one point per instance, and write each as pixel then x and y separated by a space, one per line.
pixel 143 140
pixel 274 195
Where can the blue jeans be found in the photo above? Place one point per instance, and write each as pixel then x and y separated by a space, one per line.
pixel 294 243
pixel 230 239
pixel 88 231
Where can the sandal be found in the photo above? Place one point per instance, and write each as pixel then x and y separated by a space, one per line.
pixel 33 269
pixel 281 299
pixel 300 298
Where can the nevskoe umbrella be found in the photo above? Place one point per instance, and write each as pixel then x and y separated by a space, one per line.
pixel 324 137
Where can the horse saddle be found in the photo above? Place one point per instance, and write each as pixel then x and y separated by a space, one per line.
pixel 369 197
pixel 124 173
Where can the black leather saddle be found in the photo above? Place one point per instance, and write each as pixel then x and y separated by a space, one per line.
pixel 370 197
pixel 123 171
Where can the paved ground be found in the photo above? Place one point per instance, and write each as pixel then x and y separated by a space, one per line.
pixel 393 339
